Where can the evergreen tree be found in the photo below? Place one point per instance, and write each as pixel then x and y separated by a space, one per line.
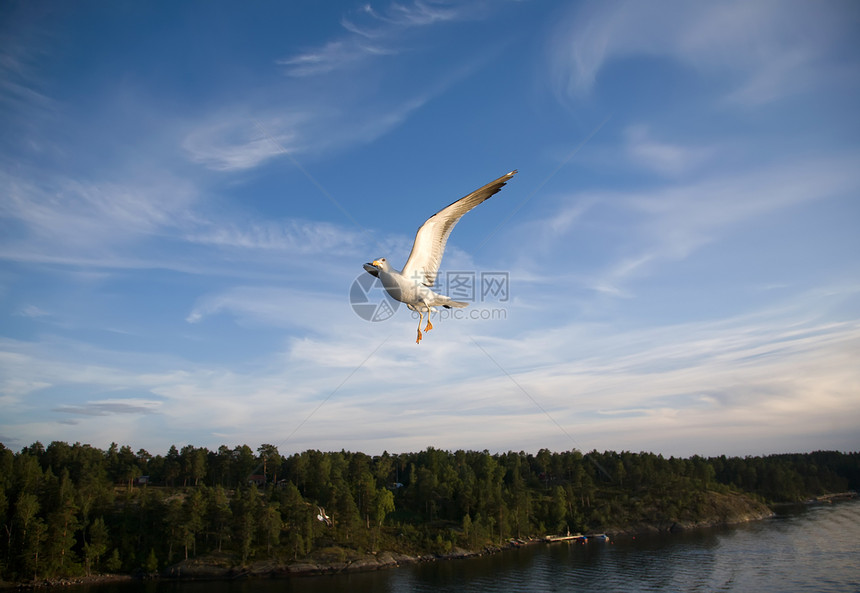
pixel 218 514
pixel 97 544
pixel 151 563
pixel 245 507
pixel 269 525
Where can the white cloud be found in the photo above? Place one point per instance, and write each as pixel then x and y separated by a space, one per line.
pixel 66 215
pixel 110 407
pixel 239 142
pixel 777 369
pixel 277 307
pixel 334 55
pixel 784 371
pixel 693 210
pixel 419 13
pixel 764 50
pixel 235 142
pixel 676 220
pixel 32 311
pixel 662 157
pixel 370 33
pixel 298 237
pixel 21 50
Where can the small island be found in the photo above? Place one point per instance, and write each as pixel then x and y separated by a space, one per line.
pixel 76 513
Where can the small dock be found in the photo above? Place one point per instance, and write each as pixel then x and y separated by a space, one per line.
pixel 564 538
pixel 577 537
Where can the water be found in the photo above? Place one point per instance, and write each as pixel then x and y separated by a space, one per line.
pixel 813 549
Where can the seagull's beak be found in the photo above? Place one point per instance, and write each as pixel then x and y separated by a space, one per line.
pixel 376 263
pixel 371 269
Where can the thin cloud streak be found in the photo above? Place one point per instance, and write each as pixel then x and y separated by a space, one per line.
pixel 370 34
pixel 670 160
pixel 278 307
pixel 66 216
pixel 110 407
pixel 22 48
pixel 236 142
pixel 298 237
pixel 675 220
pixel 763 51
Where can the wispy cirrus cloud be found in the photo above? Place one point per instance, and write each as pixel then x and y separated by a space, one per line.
pixel 371 33
pixel 69 213
pixel 665 158
pixel 316 310
pixel 298 237
pixel 676 219
pixel 32 311
pixel 110 407
pixel 686 214
pixel 670 221
pixel 763 51
pixel 237 141
pixel 21 51
pixel 332 56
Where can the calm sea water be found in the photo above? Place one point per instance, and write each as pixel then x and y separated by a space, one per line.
pixel 816 549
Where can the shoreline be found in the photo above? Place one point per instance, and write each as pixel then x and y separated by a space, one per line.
pixel 213 567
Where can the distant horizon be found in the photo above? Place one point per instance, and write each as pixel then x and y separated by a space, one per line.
pixel 214 449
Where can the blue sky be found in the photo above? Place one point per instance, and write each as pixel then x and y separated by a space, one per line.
pixel 189 192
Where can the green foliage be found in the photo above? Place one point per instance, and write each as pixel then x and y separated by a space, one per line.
pixel 97 544
pixel 245 508
pixel 151 563
pixel 73 509
pixel 113 563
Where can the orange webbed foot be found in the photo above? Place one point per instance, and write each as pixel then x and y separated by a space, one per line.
pixel 429 325
pixel 418 341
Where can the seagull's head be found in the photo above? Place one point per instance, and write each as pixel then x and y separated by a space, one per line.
pixel 377 265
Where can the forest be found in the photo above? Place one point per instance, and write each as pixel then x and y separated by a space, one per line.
pixel 73 510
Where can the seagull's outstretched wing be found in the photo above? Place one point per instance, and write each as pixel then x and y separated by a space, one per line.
pixel 426 255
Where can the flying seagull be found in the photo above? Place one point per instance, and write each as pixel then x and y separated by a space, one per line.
pixel 323 517
pixel 412 285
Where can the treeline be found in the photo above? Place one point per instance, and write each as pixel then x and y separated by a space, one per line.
pixel 69 510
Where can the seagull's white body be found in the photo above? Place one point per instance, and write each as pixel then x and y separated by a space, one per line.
pixel 412 285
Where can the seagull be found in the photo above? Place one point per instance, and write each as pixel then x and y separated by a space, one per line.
pixel 323 517
pixel 412 285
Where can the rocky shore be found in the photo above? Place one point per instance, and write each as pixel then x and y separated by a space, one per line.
pixel 722 509
pixel 69 582
pixel 329 561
